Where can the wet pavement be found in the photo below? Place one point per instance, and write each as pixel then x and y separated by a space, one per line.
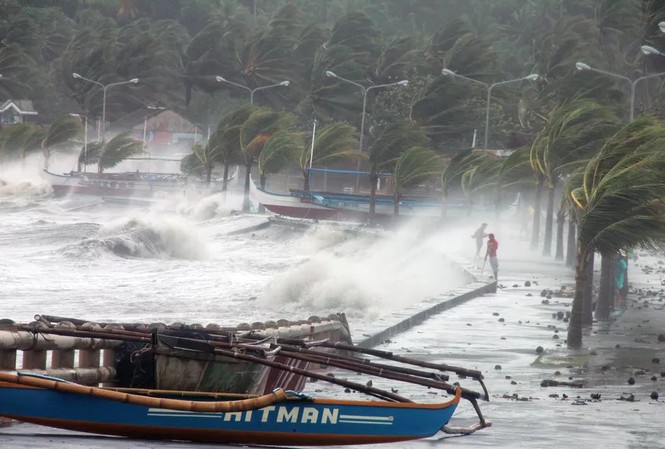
pixel 499 334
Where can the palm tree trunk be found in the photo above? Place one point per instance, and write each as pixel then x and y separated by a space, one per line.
pixel 208 174
pixel 305 180
pixel 587 308
pixel 444 204
pixel 246 205
pixel 225 179
pixel 571 247
pixel 535 231
pixel 549 221
pixel 397 198
pixel 372 196
pixel 603 304
pixel 574 338
pixel 497 203
pixel 560 220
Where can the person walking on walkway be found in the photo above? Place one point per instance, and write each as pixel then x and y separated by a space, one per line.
pixel 479 235
pixel 492 246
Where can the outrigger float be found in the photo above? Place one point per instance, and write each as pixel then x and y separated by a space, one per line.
pixel 281 417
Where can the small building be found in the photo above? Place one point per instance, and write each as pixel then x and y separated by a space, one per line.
pixel 17 111
pixel 164 132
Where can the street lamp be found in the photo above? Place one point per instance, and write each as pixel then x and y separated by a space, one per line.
pixel 649 50
pixel 365 90
pixel 251 91
pixel 104 88
pixel 633 83
pixel 489 87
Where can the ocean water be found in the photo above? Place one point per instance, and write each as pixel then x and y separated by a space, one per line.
pixel 196 259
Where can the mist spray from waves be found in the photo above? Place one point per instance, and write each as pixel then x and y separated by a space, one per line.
pixel 198 205
pixel 21 184
pixel 149 237
pixel 363 277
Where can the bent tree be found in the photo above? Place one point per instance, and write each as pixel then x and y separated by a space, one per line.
pixel 619 202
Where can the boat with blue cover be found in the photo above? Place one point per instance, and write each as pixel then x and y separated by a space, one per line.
pixel 279 418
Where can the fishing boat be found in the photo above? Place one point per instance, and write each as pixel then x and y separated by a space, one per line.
pixel 173 357
pixel 299 204
pixel 318 205
pixel 127 184
pixel 278 418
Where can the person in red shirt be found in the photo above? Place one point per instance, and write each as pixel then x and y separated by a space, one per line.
pixel 492 246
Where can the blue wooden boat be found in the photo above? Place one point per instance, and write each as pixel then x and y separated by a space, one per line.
pixel 278 418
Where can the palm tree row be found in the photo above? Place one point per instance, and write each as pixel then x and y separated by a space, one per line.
pixel 178 54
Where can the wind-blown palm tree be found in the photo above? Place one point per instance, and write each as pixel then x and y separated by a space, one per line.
pixel 61 132
pixel 13 140
pixel 333 143
pixel 472 172
pixel 280 152
pixel 415 166
pixel 116 150
pixel 89 154
pixel 252 135
pixel 386 150
pixel 619 202
pixel 574 132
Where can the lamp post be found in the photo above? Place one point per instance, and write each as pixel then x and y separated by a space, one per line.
pixel 649 50
pixel 251 91
pixel 104 88
pixel 365 91
pixel 489 87
pixel 633 83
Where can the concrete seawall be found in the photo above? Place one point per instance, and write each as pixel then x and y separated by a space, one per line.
pixel 418 317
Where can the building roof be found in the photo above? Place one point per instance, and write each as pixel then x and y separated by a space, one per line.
pixel 167 119
pixel 23 107
pixel 136 117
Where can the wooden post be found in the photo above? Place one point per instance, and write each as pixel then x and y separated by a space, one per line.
pixel 8 359
pixel 89 358
pixel 63 359
pixel 34 359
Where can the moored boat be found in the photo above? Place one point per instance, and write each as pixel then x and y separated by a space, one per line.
pixel 317 205
pixel 299 205
pixel 126 184
pixel 278 418
pixel 173 357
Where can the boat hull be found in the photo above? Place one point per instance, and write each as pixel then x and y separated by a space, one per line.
pixel 342 207
pixel 125 185
pixel 292 422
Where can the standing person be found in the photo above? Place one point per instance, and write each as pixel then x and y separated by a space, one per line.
pixel 479 235
pixel 492 246
pixel 620 278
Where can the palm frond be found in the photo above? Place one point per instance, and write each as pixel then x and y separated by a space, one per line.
pixel 117 150
pixel 279 152
pixel 417 165
pixel 62 130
